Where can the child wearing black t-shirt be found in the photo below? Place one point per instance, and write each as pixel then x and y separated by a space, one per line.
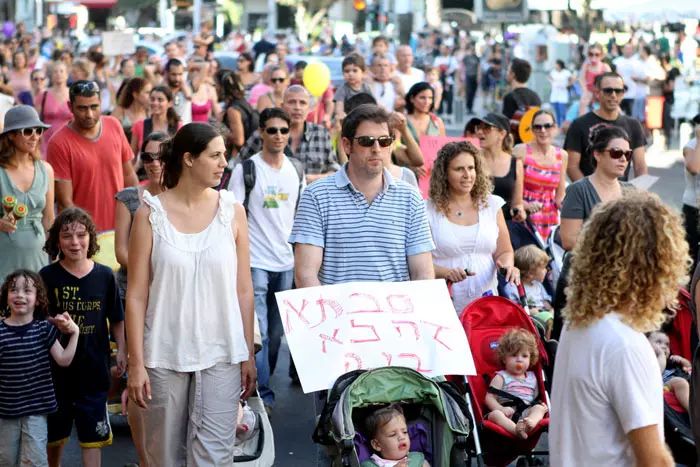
pixel 26 391
pixel 88 292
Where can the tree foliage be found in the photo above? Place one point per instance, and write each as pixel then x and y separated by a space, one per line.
pixel 308 14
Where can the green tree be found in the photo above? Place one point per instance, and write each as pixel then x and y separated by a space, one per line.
pixel 308 14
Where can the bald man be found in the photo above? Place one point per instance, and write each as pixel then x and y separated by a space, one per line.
pixel 405 70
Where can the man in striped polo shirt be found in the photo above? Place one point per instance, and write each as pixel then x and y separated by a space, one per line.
pixel 361 224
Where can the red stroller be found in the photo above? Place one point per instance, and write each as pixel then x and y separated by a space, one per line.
pixel 680 329
pixel 485 321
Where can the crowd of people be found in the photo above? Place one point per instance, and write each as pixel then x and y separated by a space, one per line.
pixel 224 187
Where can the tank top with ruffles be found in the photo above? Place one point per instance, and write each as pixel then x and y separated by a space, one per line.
pixel 193 319
pixel 539 186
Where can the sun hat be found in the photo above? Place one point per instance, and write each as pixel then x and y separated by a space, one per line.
pixel 20 117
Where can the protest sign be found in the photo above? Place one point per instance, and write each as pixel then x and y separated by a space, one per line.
pixel 429 147
pixel 116 43
pixel 335 329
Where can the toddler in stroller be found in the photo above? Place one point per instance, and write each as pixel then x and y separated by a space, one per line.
pixel 671 366
pixel 390 441
pixel 512 396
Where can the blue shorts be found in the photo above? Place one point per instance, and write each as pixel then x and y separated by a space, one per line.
pixel 89 412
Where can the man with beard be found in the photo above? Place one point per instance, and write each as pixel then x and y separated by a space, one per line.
pixel 175 78
pixel 609 91
pixel 91 158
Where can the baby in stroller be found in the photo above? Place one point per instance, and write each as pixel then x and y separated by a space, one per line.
pixel 674 368
pixel 512 396
pixel 389 440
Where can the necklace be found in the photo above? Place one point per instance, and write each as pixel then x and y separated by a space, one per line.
pixel 460 211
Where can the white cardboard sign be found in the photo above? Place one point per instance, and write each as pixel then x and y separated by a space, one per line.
pixel 116 43
pixel 335 329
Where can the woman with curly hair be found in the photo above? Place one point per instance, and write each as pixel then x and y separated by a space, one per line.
pixel 470 233
pixel 607 399
pixel 88 291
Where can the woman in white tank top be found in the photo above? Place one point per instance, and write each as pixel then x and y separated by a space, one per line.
pixel 190 306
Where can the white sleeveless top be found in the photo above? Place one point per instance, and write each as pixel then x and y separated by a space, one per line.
pixel 193 319
pixel 471 247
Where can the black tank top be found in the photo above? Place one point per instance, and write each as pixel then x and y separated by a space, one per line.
pixel 504 187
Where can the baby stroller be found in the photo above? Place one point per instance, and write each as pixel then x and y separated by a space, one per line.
pixel 485 320
pixel 434 410
pixel 680 329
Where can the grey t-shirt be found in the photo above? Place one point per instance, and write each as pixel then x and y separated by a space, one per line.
pixel 345 91
pixel 582 197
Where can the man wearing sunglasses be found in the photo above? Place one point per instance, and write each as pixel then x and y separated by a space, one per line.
pixel 91 157
pixel 609 91
pixel 308 142
pixel 361 224
pixel 270 199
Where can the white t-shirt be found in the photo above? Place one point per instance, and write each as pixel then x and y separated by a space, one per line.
pixel 607 382
pixel 271 210
pixel 409 79
pixel 385 94
pixel 628 67
pixel 560 85
pixel 690 193
pixel 647 69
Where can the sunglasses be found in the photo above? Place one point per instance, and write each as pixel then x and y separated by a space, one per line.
pixel 273 130
pixel 84 89
pixel 542 126
pixel 368 141
pixel 594 54
pixel 616 153
pixel 610 91
pixel 148 157
pixel 278 80
pixel 29 132
pixel 484 128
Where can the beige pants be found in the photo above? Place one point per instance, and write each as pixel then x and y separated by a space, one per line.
pixel 191 418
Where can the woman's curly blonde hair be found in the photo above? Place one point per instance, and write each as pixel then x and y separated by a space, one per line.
pixel 631 257
pixel 439 191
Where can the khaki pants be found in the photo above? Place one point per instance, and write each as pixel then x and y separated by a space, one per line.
pixel 191 418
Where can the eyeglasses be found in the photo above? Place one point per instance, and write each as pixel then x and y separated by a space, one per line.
pixel 148 157
pixel 277 80
pixel 542 126
pixel 616 153
pixel 484 128
pixel 29 132
pixel 273 130
pixel 610 91
pixel 368 141
pixel 84 89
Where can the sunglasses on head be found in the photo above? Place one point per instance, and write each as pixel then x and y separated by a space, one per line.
pixel 29 132
pixel 610 91
pixel 274 130
pixel 542 126
pixel 277 80
pixel 148 157
pixel 616 153
pixel 368 141
pixel 84 89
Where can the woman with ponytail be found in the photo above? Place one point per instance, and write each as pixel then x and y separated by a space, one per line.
pixel 163 119
pixel 190 306
pixel 506 171
pixel 239 117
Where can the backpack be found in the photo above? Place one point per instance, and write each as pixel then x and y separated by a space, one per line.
pixel 249 117
pixel 249 179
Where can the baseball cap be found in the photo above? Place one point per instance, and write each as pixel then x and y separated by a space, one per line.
pixel 493 119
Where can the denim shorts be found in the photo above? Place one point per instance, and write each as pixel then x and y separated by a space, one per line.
pixel 23 441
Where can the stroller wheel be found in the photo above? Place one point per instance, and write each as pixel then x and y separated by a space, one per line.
pixel 529 462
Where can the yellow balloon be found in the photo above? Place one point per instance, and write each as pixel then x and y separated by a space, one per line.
pixel 317 78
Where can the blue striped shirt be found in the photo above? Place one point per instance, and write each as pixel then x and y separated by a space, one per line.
pixel 362 241
pixel 26 387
